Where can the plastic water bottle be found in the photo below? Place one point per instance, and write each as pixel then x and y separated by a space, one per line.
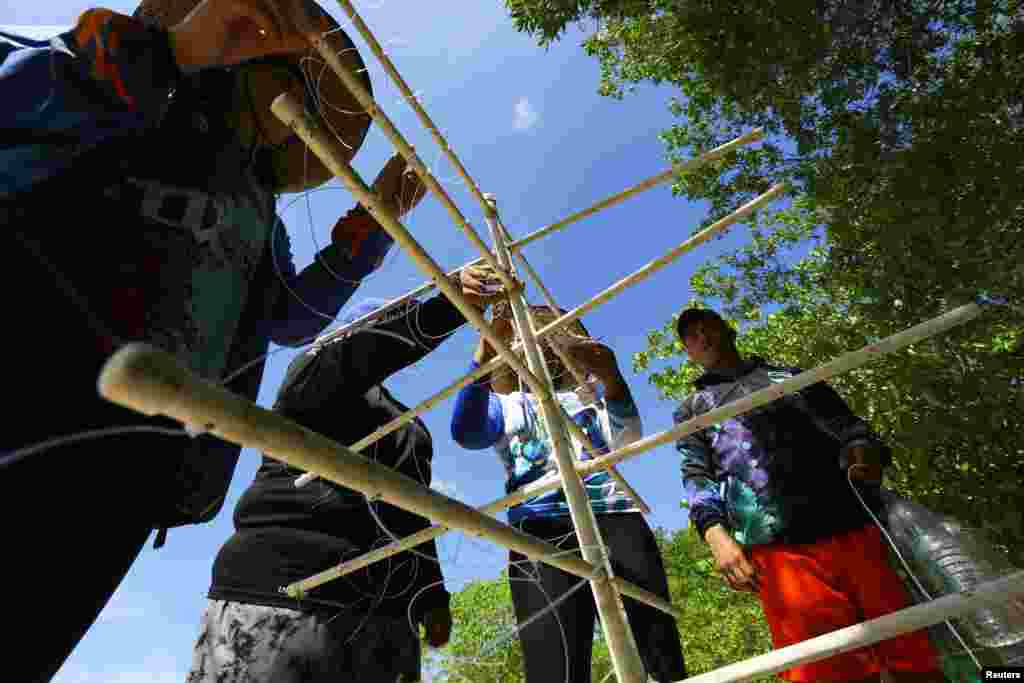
pixel 994 627
pixel 948 558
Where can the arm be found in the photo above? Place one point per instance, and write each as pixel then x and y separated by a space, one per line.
pixel 366 358
pixel 310 300
pixel 623 418
pixel 478 421
pixel 707 509
pixel 700 476
pixel 109 76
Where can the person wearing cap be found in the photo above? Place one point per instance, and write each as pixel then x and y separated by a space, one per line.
pixel 496 413
pixel 363 626
pixel 141 167
pixel 769 492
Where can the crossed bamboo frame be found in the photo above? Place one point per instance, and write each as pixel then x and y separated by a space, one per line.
pixel 154 383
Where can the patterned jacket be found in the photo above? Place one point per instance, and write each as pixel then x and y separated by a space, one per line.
pixel 776 473
pixel 512 424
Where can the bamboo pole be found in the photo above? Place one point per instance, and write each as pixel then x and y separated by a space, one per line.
pixel 410 97
pixel 658 264
pixel 992 593
pixel 153 382
pixel 654 181
pixel 577 374
pixel 404 148
pixel 577 433
pixel 287 108
pixel 844 363
pixel 290 111
pixel 622 647
pixel 604 296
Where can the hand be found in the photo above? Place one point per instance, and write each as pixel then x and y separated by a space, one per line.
pixel 502 327
pixel 733 564
pixel 438 626
pixel 398 186
pixel 865 466
pixel 227 32
pixel 594 357
pixel 481 285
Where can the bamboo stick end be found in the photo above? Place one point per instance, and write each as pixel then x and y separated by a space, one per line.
pixel 136 377
pixel 293 591
pixel 287 108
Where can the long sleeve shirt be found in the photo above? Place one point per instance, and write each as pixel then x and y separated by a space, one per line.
pixel 512 424
pixel 284 534
pixel 124 179
pixel 776 473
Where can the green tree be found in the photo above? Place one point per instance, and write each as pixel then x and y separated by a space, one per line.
pixel 483 647
pixel 719 626
pixel 899 129
pixel 951 407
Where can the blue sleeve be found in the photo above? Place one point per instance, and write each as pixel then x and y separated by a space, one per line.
pixel 478 421
pixel 311 299
pixel 700 474
pixel 109 76
pixel 624 421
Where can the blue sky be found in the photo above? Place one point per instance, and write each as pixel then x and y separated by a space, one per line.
pixel 530 127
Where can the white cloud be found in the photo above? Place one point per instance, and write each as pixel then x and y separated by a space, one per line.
pixel 448 488
pixel 525 116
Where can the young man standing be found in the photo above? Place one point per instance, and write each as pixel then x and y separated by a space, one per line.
pixel 768 491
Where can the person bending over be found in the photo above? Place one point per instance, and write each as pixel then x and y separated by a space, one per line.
pixel 363 626
pixel 496 413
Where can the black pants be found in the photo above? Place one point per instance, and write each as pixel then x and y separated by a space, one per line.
pixel 635 558
pixel 72 518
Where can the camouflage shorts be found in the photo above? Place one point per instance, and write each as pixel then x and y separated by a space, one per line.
pixel 240 643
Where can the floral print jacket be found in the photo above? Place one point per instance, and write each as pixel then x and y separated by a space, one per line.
pixel 777 473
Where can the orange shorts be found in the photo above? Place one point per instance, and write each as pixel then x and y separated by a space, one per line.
pixel 811 589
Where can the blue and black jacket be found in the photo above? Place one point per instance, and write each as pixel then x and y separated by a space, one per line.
pixel 777 473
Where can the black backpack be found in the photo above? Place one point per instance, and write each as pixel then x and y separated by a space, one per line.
pixel 197 490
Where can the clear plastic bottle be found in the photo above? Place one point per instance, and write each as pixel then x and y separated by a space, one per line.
pixel 995 627
pixel 947 558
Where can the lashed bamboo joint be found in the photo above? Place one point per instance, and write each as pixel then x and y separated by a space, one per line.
pixel 993 593
pixel 844 363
